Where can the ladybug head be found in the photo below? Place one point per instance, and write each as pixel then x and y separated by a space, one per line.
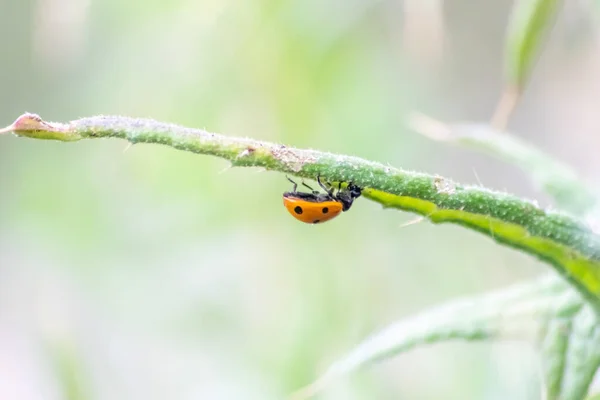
pixel 348 195
pixel 354 190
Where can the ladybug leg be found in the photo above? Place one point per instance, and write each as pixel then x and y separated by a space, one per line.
pixel 294 183
pixel 311 189
pixel 328 190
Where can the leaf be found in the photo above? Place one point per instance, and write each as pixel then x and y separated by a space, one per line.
pixel 555 178
pixel 568 345
pixel 516 313
pixel 69 370
pixel 567 244
pixel 582 270
pixel 529 23
pixel 581 357
pixel 546 313
pixel 554 345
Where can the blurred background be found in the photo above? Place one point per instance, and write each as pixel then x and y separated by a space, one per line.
pixel 150 273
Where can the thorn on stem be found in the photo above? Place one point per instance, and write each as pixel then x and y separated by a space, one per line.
pixel 413 221
pixel 227 168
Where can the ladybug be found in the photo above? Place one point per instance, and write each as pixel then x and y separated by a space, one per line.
pixel 315 207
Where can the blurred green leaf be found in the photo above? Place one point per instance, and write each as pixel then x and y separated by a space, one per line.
pixel 578 336
pixel 519 312
pixel 529 23
pixel 545 312
pixel 69 370
pixel 554 345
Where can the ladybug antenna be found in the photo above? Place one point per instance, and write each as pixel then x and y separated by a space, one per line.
pixel 311 189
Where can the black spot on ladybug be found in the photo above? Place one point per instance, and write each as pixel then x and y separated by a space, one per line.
pixel 325 210
pixel 316 221
pixel 298 210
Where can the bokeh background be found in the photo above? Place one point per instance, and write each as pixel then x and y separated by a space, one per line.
pixel 150 273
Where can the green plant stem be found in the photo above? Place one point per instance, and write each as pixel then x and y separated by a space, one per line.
pixel 558 239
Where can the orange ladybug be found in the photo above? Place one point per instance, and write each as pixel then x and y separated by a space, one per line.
pixel 316 207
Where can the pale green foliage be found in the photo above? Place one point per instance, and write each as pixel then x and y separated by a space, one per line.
pixel 559 323
pixel 529 24
pixel 547 312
